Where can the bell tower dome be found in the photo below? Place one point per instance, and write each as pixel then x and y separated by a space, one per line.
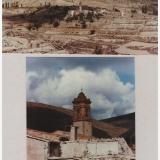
pixel 82 116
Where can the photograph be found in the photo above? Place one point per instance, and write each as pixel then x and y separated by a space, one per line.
pixel 80 108
pixel 98 27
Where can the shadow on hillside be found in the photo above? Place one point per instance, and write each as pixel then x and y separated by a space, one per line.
pixel 47 14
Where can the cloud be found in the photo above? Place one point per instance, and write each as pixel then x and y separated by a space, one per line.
pixel 109 95
pixel 123 66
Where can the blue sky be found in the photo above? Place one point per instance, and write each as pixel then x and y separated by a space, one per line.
pixel 109 82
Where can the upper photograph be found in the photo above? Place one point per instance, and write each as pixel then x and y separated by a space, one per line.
pixel 100 27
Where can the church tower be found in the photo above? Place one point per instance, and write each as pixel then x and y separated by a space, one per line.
pixel 82 116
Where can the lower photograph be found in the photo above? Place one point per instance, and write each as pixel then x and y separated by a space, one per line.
pixel 80 108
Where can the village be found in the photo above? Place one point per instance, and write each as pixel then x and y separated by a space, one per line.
pixel 80 27
pixel 79 142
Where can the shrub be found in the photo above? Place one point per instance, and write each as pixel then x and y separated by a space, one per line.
pixel 37 25
pixel 92 31
pixel 144 9
pixel 29 27
pixel 56 23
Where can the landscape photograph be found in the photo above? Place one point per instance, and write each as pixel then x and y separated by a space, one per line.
pixel 80 108
pixel 100 27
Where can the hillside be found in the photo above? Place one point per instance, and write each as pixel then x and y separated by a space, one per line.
pixel 59 27
pixel 49 118
pixel 93 3
pixel 125 121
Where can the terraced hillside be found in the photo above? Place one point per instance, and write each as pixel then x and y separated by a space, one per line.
pixel 59 27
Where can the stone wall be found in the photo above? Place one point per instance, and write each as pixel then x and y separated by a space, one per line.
pixel 84 127
pixel 37 149
pixel 88 148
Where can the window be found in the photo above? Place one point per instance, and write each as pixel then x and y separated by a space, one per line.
pixel 54 149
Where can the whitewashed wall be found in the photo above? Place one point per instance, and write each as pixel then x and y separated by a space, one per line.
pixel 36 149
pixel 78 149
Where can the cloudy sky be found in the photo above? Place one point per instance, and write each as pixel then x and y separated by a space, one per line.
pixel 108 82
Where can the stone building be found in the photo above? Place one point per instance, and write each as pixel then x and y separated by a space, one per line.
pixel 81 115
pixel 49 146
pixel 41 145
pixel 79 143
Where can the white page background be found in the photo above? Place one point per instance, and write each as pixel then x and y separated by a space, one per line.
pixel 14 107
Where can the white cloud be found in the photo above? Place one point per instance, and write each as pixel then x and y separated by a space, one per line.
pixel 105 89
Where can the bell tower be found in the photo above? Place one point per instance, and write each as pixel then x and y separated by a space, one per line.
pixel 82 116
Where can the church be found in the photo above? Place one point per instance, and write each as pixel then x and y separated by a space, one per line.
pixel 78 142
pixel 82 121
